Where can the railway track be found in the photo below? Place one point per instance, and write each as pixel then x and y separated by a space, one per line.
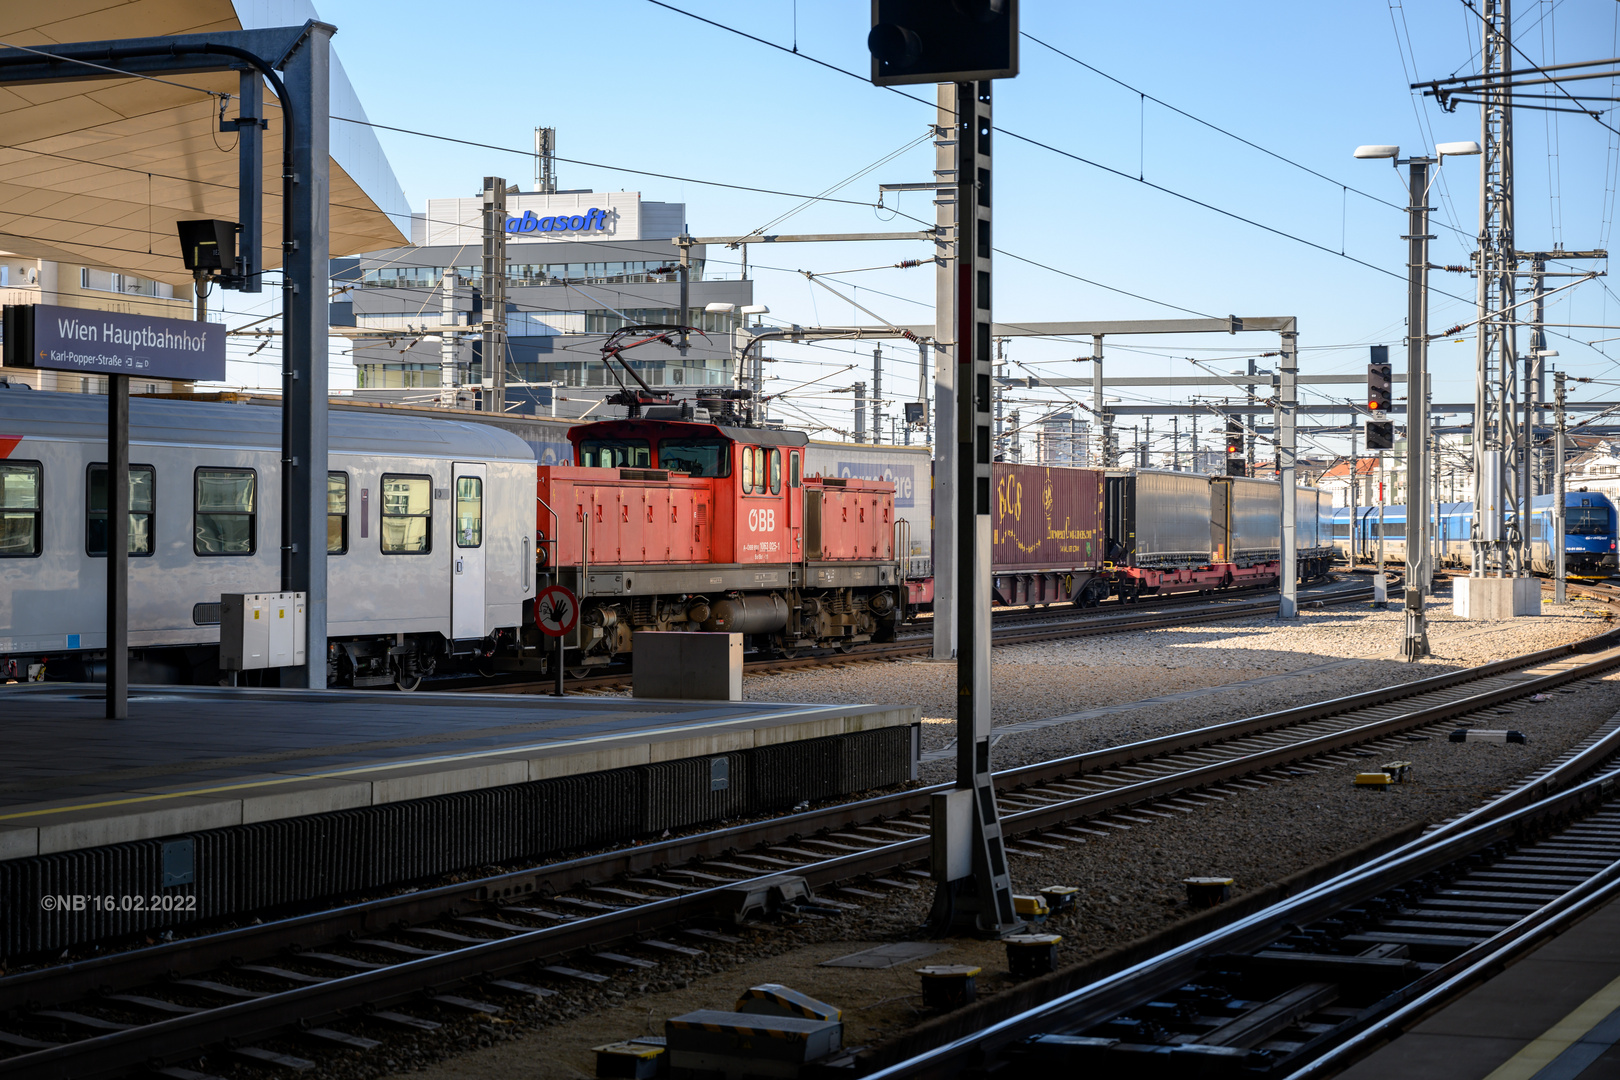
pixel 345 978
pixel 1308 986
pixel 1048 625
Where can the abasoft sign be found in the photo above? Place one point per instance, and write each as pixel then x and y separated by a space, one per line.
pixel 594 220
pixel 112 343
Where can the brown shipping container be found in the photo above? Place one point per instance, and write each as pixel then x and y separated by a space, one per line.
pixel 1046 518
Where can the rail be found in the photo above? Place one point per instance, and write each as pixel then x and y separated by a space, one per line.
pixel 864 848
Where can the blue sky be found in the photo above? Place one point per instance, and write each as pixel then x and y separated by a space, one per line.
pixel 632 84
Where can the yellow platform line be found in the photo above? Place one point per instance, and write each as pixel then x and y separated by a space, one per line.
pixel 1561 1036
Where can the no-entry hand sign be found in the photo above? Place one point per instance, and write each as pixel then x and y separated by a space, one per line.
pixel 556 610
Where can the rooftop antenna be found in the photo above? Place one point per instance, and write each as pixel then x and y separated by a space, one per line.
pixel 545 162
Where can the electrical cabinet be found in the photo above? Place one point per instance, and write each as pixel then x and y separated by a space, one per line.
pixel 261 630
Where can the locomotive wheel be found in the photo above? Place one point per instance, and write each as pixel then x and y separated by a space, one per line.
pixel 578 672
pixel 845 647
pixel 401 682
pixel 485 666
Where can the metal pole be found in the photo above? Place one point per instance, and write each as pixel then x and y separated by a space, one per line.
pixel 1287 371
pixel 559 691
pixel 304 385
pixel 984 901
pixel 117 547
pixel 1557 537
pixel 1419 572
pixel 1380 590
pixel 1494 474
pixel 1355 485
pixel 877 394
pixel 1534 379
pixel 1097 413
pixel 1175 443
pixel 495 292
pixel 449 378
pixel 860 412
pixel 945 346
pixel 684 318
pixel 922 378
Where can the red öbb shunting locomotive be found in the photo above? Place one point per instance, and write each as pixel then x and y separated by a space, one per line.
pixel 669 524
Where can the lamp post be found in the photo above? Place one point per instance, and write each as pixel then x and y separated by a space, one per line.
pixel 1419 569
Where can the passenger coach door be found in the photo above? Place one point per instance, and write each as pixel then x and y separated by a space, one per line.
pixel 468 551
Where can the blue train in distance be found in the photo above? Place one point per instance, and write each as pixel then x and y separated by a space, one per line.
pixel 1589 534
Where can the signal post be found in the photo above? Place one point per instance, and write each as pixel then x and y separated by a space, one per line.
pixel 969 44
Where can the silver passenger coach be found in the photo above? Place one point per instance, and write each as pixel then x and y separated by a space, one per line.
pixel 430 533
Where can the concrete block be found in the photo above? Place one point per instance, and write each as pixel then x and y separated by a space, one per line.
pixel 296 798
pixel 689 667
pixel 1495 598
pixel 70 828
pixel 18 842
pixel 597 759
pixel 444 778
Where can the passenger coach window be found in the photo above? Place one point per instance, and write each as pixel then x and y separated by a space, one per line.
pixel 407 515
pixel 469 511
pixel 776 472
pixel 616 454
pixel 225 514
pixel 142 483
pixel 337 513
pixel 19 509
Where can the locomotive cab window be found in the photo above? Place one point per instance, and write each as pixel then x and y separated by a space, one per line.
pixel 615 454
pixel 695 457
pixel 776 471
pixel 407 515
pixel 20 504
pixel 469 511
pixel 225 512
pixel 142 484
pixel 337 513
pixel 793 469
pixel 1586 520
pixel 750 470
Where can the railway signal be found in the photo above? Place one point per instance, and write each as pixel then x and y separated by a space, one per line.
pixel 1234 447
pixel 925 41
pixel 1380 425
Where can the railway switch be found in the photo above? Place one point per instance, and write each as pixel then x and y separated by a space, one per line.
pixel 1207 892
pixel 774 999
pixel 1031 907
pixel 949 986
pixel 1029 955
pixel 1060 898
pixel 631 1061
pixel 1483 735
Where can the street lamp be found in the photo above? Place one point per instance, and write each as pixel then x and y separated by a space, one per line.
pixel 1419 569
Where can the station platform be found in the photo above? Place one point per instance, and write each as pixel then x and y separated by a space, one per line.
pixel 254 797
pixel 1555 1015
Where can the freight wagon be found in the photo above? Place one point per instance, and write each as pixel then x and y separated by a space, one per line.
pixel 1174 532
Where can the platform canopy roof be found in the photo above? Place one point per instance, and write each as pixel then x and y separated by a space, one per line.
pixel 97 172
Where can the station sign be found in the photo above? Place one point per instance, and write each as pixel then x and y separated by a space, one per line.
pixel 593 220
pixel 112 343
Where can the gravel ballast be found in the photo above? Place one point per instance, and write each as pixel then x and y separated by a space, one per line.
pixel 1130 881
